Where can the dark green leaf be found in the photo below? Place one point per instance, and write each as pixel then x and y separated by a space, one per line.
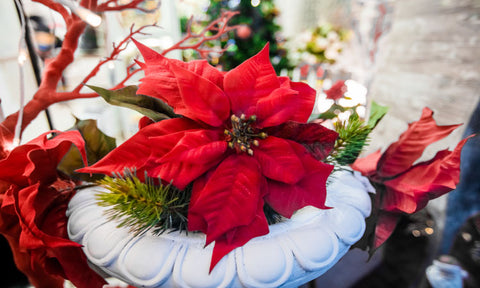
pixel 126 97
pixel 97 145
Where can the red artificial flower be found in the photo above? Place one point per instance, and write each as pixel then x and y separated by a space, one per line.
pixel 407 188
pixel 243 140
pixel 32 213
pixel 337 90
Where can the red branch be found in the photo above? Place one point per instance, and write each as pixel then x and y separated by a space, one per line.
pixel 47 93
pixel 113 5
pixel 217 27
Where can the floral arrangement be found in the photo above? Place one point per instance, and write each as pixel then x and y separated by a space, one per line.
pixel 222 153
pixel 323 44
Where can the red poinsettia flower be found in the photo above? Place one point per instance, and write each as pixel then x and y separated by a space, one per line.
pixel 243 140
pixel 404 187
pixel 32 213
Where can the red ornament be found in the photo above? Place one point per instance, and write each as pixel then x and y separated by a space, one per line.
pixel 243 32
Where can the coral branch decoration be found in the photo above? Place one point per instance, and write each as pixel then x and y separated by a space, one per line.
pixel 212 31
pixel 47 93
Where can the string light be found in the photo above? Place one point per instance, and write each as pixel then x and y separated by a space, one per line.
pixel 86 15
pixel 255 3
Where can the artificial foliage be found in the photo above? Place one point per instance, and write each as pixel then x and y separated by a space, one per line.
pixel 243 141
pixel 144 205
pixel 260 22
pixel 236 147
pixel 353 135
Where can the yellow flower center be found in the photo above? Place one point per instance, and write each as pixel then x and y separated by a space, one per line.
pixel 242 135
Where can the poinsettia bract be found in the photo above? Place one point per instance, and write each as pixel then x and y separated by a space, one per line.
pixel 403 186
pixel 243 140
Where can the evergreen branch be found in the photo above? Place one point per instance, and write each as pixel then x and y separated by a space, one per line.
pixel 142 206
pixel 352 137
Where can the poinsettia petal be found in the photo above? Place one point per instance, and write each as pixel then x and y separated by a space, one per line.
pixel 202 99
pixel 386 224
pixel 20 168
pixel 202 68
pixel 239 236
pixel 30 204
pixel 134 152
pixel 37 276
pixel 196 222
pixel 278 159
pixel 159 80
pixel 368 164
pixel 424 181
pixel 317 139
pixel 310 190
pixel 250 81
pixel 400 155
pixel 282 105
pixel 191 155
pixel 230 197
pixel 12 168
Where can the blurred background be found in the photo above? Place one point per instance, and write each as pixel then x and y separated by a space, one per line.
pixel 405 54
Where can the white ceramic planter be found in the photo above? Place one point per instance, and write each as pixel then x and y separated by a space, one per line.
pixel 294 252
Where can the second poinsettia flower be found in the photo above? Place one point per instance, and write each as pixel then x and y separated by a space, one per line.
pixel 405 187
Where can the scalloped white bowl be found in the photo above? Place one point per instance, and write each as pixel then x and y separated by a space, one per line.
pixel 294 252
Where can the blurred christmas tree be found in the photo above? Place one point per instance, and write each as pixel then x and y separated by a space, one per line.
pixel 257 20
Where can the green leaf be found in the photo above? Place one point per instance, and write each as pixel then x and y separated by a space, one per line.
pixel 97 145
pixel 376 114
pixel 153 108
pixel 142 206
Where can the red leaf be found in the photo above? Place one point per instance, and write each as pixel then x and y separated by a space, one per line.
pixel 318 139
pixel 37 160
pixel 278 160
pixel 230 197
pixel 251 81
pixel 160 82
pixel 386 224
pixel 239 236
pixel 337 90
pixel 368 164
pixel 310 190
pixel 202 99
pixel 402 154
pixel 191 155
pixel 411 191
pixel 135 152
pixel 283 105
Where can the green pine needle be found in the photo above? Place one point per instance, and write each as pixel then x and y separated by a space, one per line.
pixel 144 206
pixel 352 137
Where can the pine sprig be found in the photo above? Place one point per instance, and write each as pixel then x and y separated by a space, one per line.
pixel 142 206
pixel 352 137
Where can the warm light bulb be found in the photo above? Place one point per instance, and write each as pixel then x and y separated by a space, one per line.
pixel 88 16
pixel 22 57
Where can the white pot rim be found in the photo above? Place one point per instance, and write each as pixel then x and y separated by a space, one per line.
pixel 295 251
